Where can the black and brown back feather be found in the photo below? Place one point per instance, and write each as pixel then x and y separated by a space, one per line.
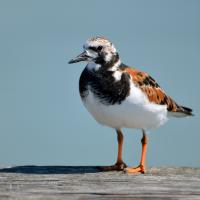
pixel 155 93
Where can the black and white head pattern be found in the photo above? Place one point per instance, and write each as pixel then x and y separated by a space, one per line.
pixel 101 51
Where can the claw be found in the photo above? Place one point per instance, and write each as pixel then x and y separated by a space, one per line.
pixel 116 167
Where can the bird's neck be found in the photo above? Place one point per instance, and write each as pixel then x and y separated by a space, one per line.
pixel 113 63
pixel 114 66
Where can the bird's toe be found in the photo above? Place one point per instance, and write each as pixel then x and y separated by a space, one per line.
pixel 119 166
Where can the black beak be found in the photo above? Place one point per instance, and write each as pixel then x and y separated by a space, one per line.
pixel 82 57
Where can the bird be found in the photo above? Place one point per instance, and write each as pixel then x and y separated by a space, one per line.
pixel 120 96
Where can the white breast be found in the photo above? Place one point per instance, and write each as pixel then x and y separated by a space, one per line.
pixel 134 112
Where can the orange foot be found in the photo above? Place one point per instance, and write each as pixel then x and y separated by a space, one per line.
pixel 135 170
pixel 119 166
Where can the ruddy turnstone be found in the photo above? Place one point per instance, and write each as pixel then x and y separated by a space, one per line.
pixel 119 96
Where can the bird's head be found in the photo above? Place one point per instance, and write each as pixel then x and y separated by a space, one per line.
pixel 98 50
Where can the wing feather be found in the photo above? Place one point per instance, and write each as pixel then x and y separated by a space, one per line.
pixel 152 90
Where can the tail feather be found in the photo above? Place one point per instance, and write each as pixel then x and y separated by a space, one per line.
pixel 182 111
pixel 187 111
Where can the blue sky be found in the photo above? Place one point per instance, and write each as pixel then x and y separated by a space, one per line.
pixel 43 121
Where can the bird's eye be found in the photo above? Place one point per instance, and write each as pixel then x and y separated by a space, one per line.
pixel 99 48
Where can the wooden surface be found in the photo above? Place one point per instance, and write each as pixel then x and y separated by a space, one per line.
pixel 71 183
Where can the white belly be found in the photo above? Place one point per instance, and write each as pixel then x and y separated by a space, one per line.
pixel 134 112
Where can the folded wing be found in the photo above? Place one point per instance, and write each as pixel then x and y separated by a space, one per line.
pixel 156 94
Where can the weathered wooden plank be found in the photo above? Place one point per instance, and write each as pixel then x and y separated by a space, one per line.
pixel 86 182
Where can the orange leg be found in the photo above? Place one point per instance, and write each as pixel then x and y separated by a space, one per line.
pixel 141 167
pixel 120 140
pixel 119 165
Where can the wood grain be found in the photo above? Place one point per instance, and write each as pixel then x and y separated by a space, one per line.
pixel 86 182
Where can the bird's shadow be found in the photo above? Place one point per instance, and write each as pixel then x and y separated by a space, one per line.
pixel 33 169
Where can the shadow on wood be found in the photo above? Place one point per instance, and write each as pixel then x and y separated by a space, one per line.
pixel 32 169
